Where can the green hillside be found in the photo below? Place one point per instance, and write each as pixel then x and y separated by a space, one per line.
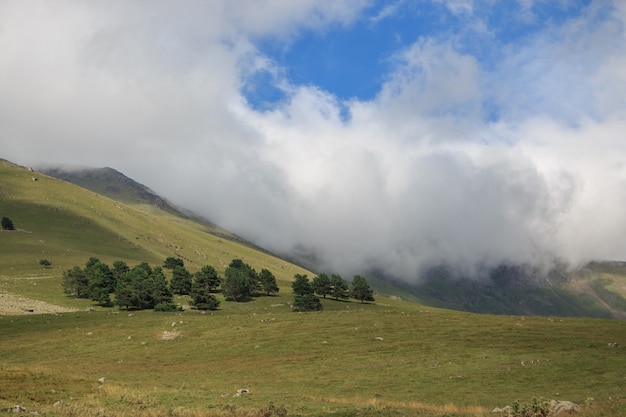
pixel 66 225
pixel 387 358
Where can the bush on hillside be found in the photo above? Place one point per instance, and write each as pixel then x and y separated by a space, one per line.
pixel 306 302
pixel 7 224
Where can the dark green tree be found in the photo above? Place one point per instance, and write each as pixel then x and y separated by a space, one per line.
pixel 171 262
pixel 339 287
pixel 301 285
pixel 125 292
pixel 181 281
pixel 101 281
pixel 142 288
pixel 161 293
pixel 204 282
pixel 361 290
pixel 209 277
pixel 119 269
pixel 75 283
pixel 45 263
pixel 7 224
pixel 236 285
pixel 321 285
pixel 306 302
pixel 240 281
pixel 268 282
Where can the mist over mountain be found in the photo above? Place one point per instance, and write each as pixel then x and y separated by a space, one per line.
pixel 355 135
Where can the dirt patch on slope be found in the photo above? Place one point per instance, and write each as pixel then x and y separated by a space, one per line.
pixel 12 305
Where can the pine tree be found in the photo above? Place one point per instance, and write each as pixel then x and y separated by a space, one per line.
pixel 361 290
pixel 268 282
pixel 339 287
pixel 181 281
pixel 321 285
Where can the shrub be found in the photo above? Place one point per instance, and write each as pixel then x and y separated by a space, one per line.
pixel 165 307
pixel 7 224
pixel 306 302
pixel 537 407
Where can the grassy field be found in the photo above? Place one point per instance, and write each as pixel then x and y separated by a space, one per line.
pixel 388 358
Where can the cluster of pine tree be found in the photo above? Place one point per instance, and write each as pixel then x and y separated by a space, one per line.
pixel 323 285
pixel 145 287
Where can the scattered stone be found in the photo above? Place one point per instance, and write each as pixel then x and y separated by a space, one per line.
pixel 17 409
pixel 58 404
pixel 170 335
pixel 173 324
pixel 242 391
pixel 101 380
pixel 497 410
pixel 613 345
pixel 379 338
pixel 559 407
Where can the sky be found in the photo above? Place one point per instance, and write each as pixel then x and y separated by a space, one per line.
pixel 396 135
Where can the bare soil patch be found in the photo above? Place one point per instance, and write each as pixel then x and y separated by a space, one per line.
pixel 12 305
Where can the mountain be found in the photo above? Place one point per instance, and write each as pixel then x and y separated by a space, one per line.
pixel 596 290
pixel 66 224
pixel 110 183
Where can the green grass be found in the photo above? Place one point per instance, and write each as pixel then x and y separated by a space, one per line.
pixel 428 360
pixel 379 359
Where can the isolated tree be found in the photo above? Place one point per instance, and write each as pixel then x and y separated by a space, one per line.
pixel 361 290
pixel 171 262
pixel 301 285
pixel 45 263
pixel 268 282
pixel 181 281
pixel 339 287
pixel 7 224
pixel 75 283
pixel 306 302
pixel 321 285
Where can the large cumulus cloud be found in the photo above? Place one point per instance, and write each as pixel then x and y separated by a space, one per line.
pixel 452 161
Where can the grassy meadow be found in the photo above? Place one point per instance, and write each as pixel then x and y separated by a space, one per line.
pixel 388 358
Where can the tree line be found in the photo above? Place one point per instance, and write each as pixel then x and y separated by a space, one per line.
pixel 335 286
pixel 146 287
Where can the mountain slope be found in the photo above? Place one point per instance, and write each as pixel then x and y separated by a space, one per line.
pixel 110 183
pixel 596 290
pixel 67 224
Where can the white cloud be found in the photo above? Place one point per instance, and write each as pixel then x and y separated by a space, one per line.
pixel 415 176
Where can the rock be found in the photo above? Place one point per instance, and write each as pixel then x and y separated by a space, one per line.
pixel 241 392
pixel 379 338
pixel 101 380
pixel 497 410
pixel 17 409
pixel 558 407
